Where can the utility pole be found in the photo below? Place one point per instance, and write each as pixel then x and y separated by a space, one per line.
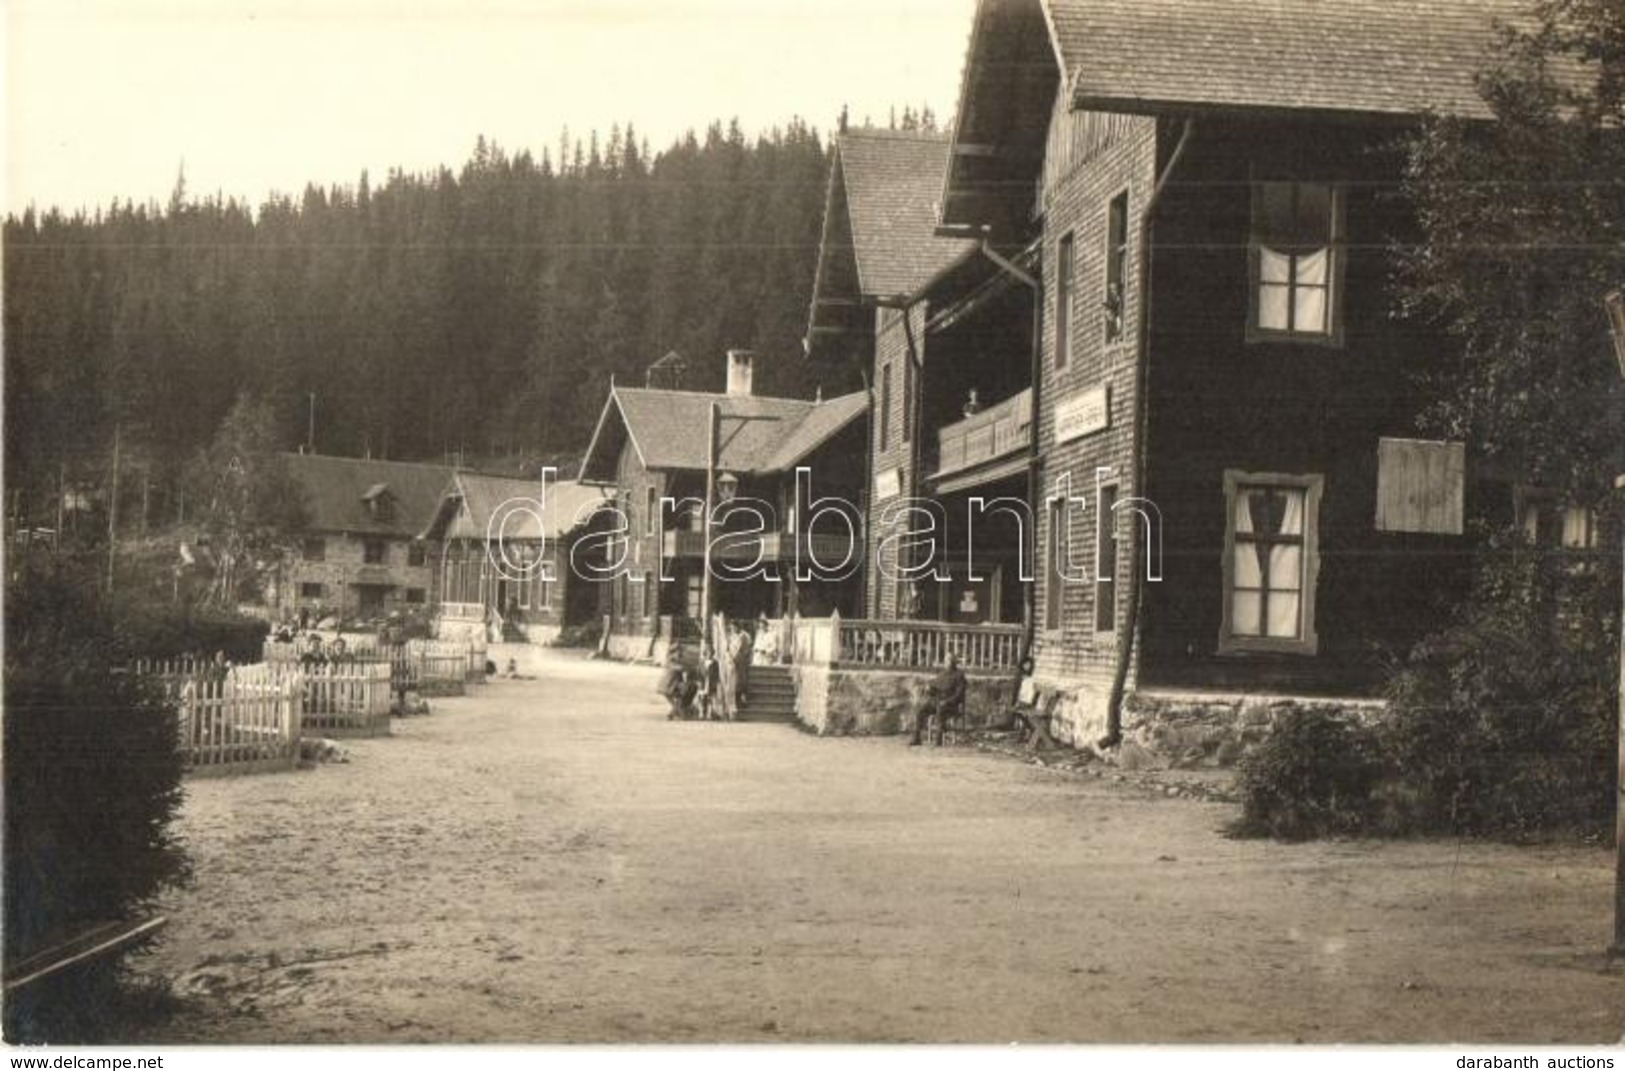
pixel 310 433
pixel 112 513
pixel 713 421
pixel 1616 952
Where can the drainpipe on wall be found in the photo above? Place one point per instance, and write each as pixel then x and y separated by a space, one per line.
pixel 1142 369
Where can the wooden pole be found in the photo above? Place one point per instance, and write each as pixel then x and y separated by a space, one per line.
pixel 713 420
pixel 112 514
pixel 1616 952
pixel 61 498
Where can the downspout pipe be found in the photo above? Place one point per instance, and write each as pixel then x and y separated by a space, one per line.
pixel 1142 369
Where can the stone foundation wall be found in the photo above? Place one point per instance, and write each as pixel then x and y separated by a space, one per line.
pixel 874 702
pixel 1195 730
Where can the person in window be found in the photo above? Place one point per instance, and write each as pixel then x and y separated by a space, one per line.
pixel 944 699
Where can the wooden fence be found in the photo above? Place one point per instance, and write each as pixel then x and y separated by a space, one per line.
pixel 435 666
pixel 345 698
pixel 232 720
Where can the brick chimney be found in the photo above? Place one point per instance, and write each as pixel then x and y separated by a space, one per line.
pixel 739 371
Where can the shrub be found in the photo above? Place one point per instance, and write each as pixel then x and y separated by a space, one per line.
pixel 1314 776
pixel 1505 722
pixel 150 630
pixel 92 780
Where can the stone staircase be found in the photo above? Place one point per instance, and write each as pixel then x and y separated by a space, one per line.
pixel 770 695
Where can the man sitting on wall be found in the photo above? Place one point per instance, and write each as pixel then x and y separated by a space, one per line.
pixel 944 699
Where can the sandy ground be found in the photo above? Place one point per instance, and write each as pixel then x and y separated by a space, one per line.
pixel 552 861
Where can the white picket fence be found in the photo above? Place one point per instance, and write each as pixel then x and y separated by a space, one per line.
pixel 231 719
pixel 438 666
pixel 246 719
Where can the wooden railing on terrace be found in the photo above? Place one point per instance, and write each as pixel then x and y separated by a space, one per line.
pixel 916 645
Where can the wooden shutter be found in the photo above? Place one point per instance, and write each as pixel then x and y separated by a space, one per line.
pixel 1420 486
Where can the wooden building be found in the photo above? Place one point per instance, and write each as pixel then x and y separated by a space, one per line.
pixel 360 555
pixel 651 445
pixel 1226 490
pixel 941 329
pixel 494 532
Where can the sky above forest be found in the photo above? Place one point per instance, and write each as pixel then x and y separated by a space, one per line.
pixel 109 98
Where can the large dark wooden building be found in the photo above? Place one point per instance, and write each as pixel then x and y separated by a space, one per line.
pixel 1160 253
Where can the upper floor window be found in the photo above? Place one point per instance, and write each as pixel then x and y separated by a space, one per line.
pixel 1295 254
pixel 1271 559
pixel 315 550
pixel 1063 302
pixel 1116 299
pixel 885 405
pixel 415 554
pixel 373 551
pixel 651 509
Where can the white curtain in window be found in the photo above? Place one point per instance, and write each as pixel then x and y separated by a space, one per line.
pixel 1275 289
pixel 1309 312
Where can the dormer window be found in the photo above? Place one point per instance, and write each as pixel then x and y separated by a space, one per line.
pixel 380 503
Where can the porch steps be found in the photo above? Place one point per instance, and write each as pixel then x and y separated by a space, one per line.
pixel 770 695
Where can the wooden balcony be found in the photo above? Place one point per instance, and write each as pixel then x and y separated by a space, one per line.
pixel 999 431
pixel 905 645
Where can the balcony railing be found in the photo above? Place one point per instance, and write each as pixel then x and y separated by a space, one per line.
pixel 917 645
pixel 995 432
pixel 829 548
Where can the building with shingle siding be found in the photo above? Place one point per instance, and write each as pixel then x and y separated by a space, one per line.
pixel 654 444
pixel 1211 188
pixel 935 324
pixel 359 555
pixel 492 534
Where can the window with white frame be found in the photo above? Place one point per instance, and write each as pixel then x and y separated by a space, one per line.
pixel 1295 257
pixel 1271 558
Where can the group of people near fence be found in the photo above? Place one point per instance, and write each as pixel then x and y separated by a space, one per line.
pixel 317 651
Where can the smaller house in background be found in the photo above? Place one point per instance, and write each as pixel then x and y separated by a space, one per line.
pixel 652 445
pixel 493 533
pixel 359 555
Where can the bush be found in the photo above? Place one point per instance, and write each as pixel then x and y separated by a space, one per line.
pixel 1313 777
pixel 92 781
pixel 150 630
pixel 1505 722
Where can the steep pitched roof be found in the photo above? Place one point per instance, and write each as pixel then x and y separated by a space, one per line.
pixel 668 429
pixel 337 491
pixel 472 499
pixel 1395 57
pixel 893 179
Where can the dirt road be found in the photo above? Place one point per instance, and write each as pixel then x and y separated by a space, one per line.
pixel 552 861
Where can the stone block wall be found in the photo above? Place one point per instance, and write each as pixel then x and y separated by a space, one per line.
pixel 1188 731
pixel 833 701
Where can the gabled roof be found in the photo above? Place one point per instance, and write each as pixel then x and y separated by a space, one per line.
pixel 893 179
pixel 668 429
pixel 472 499
pixel 1393 57
pixel 1353 58
pixel 880 217
pixel 337 490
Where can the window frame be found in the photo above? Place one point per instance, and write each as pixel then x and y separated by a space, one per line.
pixel 312 590
pixel 417 554
pixel 1106 533
pixel 885 406
pixel 1115 317
pixel 367 545
pixel 1336 267
pixel 318 543
pixel 1307 642
pixel 1065 284
pixel 1054 562
pixel 422 596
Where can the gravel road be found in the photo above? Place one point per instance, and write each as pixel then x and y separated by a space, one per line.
pixel 551 861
